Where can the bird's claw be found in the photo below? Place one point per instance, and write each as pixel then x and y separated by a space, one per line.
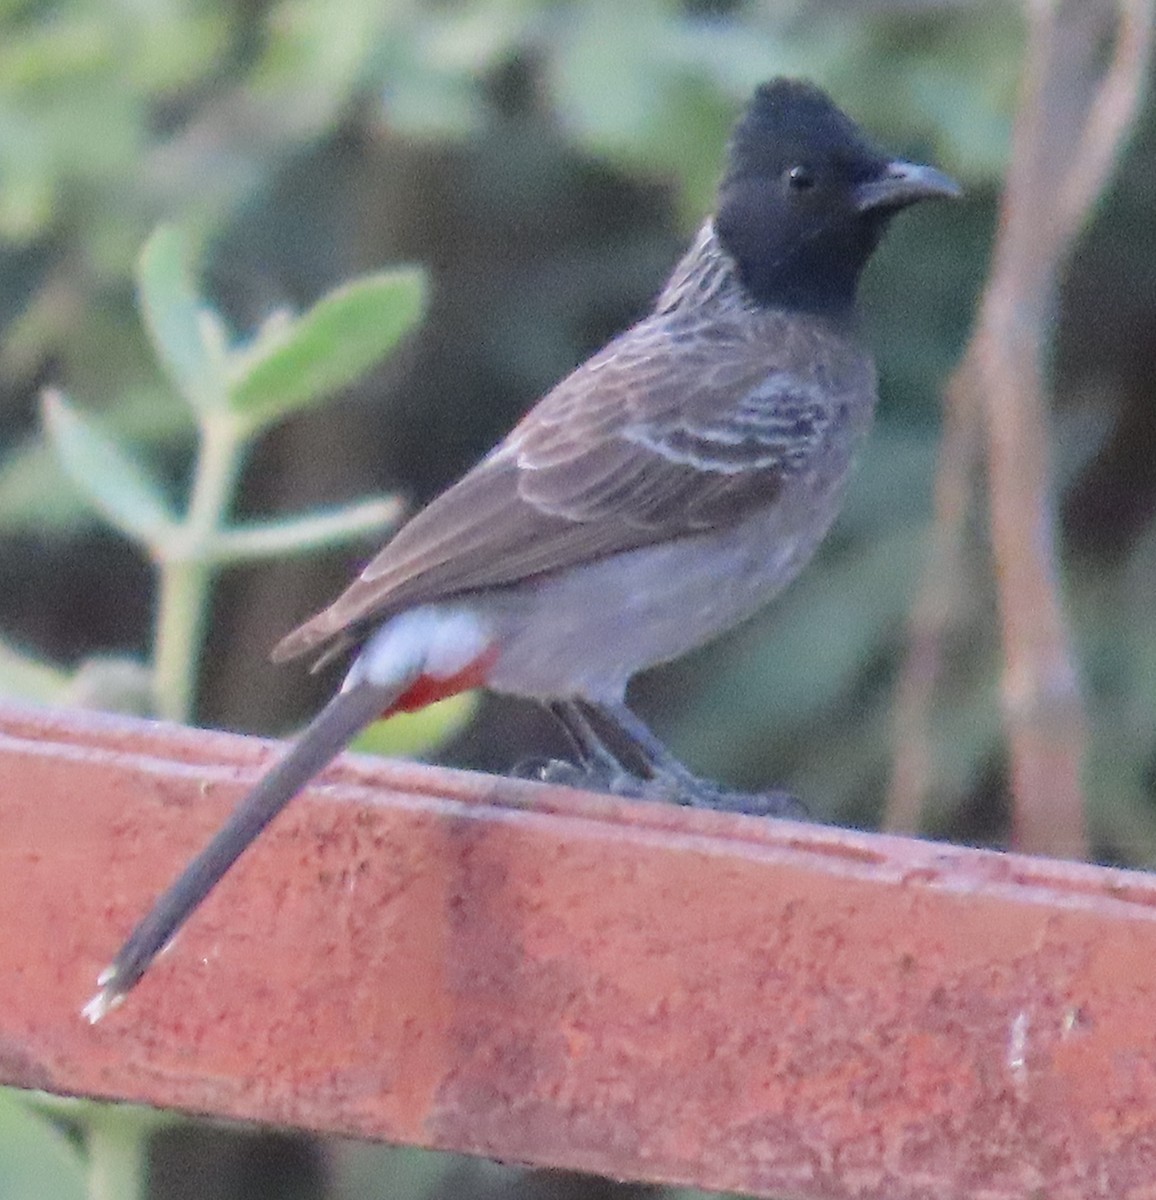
pixel 688 791
pixel 589 777
pixel 703 793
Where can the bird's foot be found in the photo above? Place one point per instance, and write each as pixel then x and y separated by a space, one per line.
pixel 693 792
pixel 685 789
pixel 593 777
pixel 667 779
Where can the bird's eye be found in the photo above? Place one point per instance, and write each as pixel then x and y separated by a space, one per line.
pixel 800 178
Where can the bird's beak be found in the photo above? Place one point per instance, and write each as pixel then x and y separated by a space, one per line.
pixel 905 183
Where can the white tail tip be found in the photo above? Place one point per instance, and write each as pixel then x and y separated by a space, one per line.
pixel 103 1002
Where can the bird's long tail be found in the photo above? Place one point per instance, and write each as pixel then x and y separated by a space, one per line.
pixel 334 727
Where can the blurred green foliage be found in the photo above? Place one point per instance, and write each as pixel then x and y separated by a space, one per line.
pixel 37 1158
pixel 234 393
pixel 544 160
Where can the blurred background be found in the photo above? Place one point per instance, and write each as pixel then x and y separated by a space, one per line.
pixel 546 161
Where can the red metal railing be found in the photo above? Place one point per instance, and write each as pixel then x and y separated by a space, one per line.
pixel 483 965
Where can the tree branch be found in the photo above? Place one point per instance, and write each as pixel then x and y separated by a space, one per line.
pixel 1049 194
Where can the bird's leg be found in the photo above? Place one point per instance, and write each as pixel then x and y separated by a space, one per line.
pixel 598 766
pixel 655 758
pixel 676 782
pixel 591 750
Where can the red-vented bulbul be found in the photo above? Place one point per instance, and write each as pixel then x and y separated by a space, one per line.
pixel 659 495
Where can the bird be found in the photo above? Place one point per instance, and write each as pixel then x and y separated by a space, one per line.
pixel 656 497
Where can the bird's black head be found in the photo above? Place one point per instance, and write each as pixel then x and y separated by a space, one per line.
pixel 806 198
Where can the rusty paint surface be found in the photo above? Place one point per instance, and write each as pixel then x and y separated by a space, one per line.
pixel 476 964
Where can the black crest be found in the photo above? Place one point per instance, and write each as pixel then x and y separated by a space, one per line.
pixel 791 120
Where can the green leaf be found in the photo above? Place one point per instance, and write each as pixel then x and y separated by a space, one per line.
pixel 36 1159
pixel 28 190
pixel 312 531
pixel 293 364
pixel 187 335
pixel 111 683
pixel 35 496
pixel 29 679
pixel 408 735
pixel 116 484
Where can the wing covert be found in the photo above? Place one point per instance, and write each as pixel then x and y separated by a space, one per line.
pixel 652 439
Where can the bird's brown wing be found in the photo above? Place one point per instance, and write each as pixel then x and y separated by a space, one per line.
pixel 654 438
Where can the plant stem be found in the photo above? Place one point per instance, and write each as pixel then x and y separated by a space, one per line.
pixel 178 634
pixel 188 566
pixel 117 1145
pixel 300 535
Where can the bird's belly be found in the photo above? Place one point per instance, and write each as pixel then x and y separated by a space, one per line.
pixel 586 631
